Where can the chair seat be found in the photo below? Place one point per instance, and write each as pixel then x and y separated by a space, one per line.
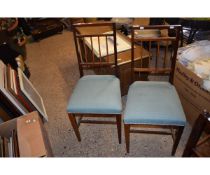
pixel 155 103
pixel 96 94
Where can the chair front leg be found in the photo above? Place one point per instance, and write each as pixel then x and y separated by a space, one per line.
pixel 75 126
pixel 177 139
pixel 127 136
pixel 118 120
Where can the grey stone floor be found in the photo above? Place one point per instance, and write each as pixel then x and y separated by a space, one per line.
pixel 54 73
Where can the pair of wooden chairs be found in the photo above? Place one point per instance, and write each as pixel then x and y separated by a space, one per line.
pixel 149 103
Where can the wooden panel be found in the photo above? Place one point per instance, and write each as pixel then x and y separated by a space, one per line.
pixel 30 138
pixel 7 127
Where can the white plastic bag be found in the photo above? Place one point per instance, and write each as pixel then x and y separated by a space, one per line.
pixel 199 50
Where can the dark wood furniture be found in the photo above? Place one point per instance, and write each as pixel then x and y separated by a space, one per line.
pixel 87 61
pixel 192 26
pixel 164 64
pixel 196 141
pixel 32 136
pixel 124 58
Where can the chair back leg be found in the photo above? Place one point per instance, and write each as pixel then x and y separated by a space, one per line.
pixel 177 139
pixel 127 136
pixel 118 120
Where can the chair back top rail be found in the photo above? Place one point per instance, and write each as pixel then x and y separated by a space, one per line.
pixel 95 24
pixel 94 35
pixel 162 49
pixel 155 39
pixel 160 27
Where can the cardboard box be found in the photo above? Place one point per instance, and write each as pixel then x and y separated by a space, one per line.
pixel 193 96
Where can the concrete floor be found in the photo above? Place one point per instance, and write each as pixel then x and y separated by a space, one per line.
pixel 54 73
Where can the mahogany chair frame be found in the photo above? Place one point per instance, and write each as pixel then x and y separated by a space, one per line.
pixel 85 63
pixel 174 131
pixel 195 140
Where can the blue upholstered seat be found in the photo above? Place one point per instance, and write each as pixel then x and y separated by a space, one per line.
pixel 154 103
pixel 96 94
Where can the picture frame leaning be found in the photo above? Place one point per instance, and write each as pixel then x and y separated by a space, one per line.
pixel 32 94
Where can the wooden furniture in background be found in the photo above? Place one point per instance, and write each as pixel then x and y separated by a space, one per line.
pixel 153 104
pixel 192 27
pixel 124 58
pixel 32 137
pixel 195 141
pixel 73 21
pixel 141 21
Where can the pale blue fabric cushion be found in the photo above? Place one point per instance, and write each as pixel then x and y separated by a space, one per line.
pixel 96 94
pixel 155 103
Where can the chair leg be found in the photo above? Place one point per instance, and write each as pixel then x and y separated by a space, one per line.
pixel 177 139
pixel 195 134
pixel 75 126
pixel 127 136
pixel 118 120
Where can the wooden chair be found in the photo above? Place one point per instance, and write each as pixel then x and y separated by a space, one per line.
pixel 95 95
pixel 154 104
pixel 195 141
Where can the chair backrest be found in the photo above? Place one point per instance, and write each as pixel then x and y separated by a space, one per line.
pixel 94 47
pixel 162 49
pixel 194 142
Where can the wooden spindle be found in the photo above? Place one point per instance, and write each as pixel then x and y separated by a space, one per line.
pixel 107 49
pixel 93 57
pixel 85 49
pixel 171 51
pixel 157 54
pixel 150 52
pixel 99 48
pixel 165 55
pixel 141 53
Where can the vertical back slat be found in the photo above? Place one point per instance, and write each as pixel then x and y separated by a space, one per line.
pixel 107 49
pixel 93 57
pixel 165 54
pixel 85 49
pixel 141 54
pixel 171 55
pixel 150 51
pixel 157 54
pixel 99 48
